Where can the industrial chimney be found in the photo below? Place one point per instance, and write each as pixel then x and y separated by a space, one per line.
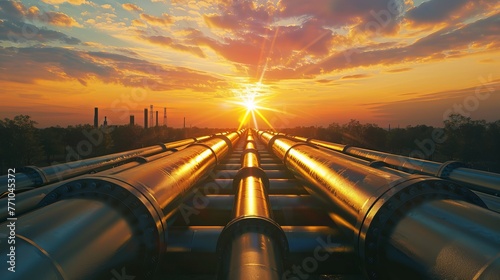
pixel 156 118
pixel 96 117
pixel 146 118
pixel 132 120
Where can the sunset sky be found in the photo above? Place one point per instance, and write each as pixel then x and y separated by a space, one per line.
pixel 389 62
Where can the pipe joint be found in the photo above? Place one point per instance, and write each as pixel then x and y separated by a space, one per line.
pixel 208 147
pixel 295 145
pixel 247 171
pixel 36 175
pixel 274 138
pixel 137 206
pixel 446 168
pixel 376 225
pixel 227 140
pixel 257 224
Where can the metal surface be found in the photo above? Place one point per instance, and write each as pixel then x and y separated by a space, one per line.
pixel 32 176
pixel 372 206
pixel 254 204
pixel 29 200
pixel 88 226
pixel 483 181
pixel 252 243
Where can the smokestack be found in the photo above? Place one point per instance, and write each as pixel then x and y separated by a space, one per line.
pixel 151 120
pixel 132 120
pixel 96 117
pixel 165 116
pixel 146 118
pixel 156 118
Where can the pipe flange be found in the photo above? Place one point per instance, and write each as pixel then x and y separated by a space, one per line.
pixel 446 168
pixel 36 175
pixel 136 207
pixel 377 164
pixel 391 206
pixel 163 146
pixel 227 140
pixel 274 138
pixel 295 145
pixel 250 171
pixel 253 151
pixel 208 147
pixel 138 159
pixel 257 224
pixel 344 149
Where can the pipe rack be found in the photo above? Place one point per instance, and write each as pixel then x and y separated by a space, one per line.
pixel 105 221
pixel 252 243
pixel 383 213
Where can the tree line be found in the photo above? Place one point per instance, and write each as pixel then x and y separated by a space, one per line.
pixel 474 142
pixel 22 143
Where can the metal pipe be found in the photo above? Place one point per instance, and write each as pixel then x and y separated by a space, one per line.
pixel 252 243
pixel 28 200
pixel 483 181
pixel 32 176
pixel 96 226
pixel 371 206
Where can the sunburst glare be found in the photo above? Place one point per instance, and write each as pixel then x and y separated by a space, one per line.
pixel 250 98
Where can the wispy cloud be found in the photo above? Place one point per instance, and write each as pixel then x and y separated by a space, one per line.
pixel 132 7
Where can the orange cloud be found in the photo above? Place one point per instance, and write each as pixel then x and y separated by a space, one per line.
pixel 74 2
pixel 169 42
pixel 165 19
pixel 356 76
pixel 61 19
pixel 132 7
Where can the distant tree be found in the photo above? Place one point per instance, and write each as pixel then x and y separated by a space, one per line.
pixel 373 136
pixel 353 133
pixel 466 137
pixel 52 139
pixel 20 141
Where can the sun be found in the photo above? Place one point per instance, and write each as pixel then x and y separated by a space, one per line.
pixel 250 105
pixel 251 98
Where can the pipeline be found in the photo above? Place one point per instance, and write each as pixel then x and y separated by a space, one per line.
pixel 99 226
pixel 29 199
pixel 33 177
pixel 252 243
pixel 482 181
pixel 399 225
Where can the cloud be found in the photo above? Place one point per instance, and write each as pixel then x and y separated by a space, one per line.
pixel 74 2
pixel 446 11
pixel 165 19
pixel 169 42
pixel 17 32
pixel 30 64
pixel 61 19
pixel 356 76
pixel 478 36
pixel 16 11
pixel 438 105
pixel 341 12
pixel 132 7
pixel 397 70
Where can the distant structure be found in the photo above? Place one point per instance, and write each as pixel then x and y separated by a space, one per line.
pixel 96 117
pixel 132 120
pixel 156 117
pixel 145 117
pixel 105 122
pixel 151 116
pixel 164 116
